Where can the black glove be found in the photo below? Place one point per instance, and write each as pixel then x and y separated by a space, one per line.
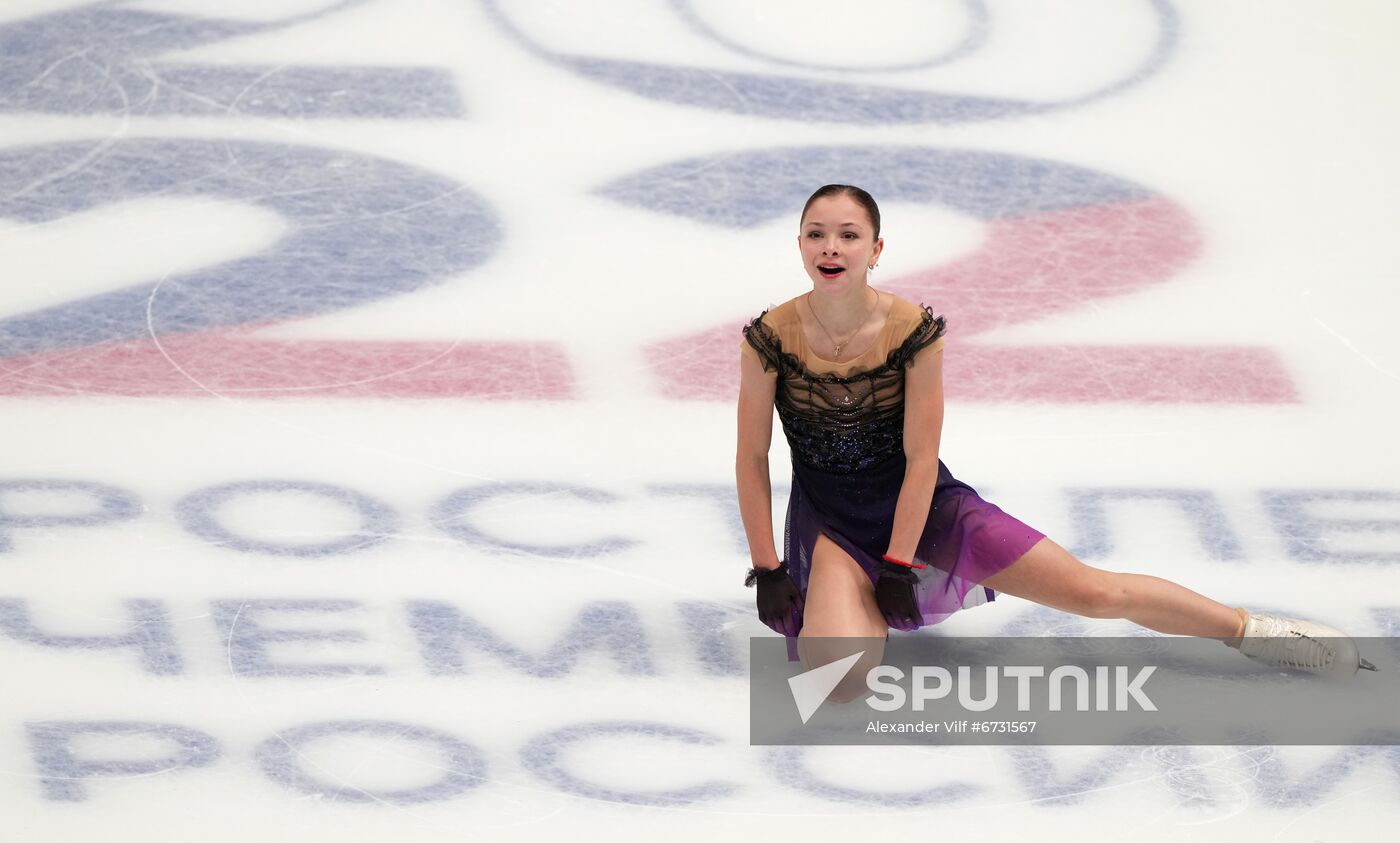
pixel 894 594
pixel 779 603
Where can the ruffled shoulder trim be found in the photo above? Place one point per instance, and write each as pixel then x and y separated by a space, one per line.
pixel 926 333
pixel 764 340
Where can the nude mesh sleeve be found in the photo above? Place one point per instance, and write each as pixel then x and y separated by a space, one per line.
pixel 762 341
pixel 928 333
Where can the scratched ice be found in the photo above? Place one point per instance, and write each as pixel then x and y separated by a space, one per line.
pixel 368 373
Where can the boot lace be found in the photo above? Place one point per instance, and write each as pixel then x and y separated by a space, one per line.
pixel 1304 652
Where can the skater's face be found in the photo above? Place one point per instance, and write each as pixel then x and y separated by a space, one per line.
pixel 838 243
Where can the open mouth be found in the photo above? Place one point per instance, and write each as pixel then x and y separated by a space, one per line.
pixel 830 270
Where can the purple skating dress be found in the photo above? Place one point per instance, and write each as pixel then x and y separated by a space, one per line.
pixel 845 426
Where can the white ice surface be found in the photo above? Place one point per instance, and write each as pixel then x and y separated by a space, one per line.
pixel 1273 125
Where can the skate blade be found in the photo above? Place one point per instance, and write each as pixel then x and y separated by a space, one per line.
pixel 1365 665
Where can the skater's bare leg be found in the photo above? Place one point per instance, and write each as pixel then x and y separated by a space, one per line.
pixel 840 604
pixel 1050 575
pixel 840 599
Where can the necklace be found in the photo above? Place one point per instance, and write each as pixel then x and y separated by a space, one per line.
pixel 836 347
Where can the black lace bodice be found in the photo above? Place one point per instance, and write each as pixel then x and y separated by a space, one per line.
pixel 842 423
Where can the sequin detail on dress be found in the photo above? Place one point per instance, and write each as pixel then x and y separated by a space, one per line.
pixel 842 423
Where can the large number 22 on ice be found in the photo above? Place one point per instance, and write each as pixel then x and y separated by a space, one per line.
pixel 364 228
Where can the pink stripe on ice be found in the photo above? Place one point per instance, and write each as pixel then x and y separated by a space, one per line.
pixel 197 365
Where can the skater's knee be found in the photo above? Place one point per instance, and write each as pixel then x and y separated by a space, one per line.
pixel 864 653
pixel 848 691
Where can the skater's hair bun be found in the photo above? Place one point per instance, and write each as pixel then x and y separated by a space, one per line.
pixel 865 200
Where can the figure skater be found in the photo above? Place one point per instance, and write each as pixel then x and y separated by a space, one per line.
pixel 879 534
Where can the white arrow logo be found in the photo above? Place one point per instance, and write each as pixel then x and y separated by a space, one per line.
pixel 810 689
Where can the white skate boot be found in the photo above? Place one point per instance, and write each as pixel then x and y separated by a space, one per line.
pixel 1301 645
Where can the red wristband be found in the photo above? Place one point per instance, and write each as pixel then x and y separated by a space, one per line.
pixel 889 558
